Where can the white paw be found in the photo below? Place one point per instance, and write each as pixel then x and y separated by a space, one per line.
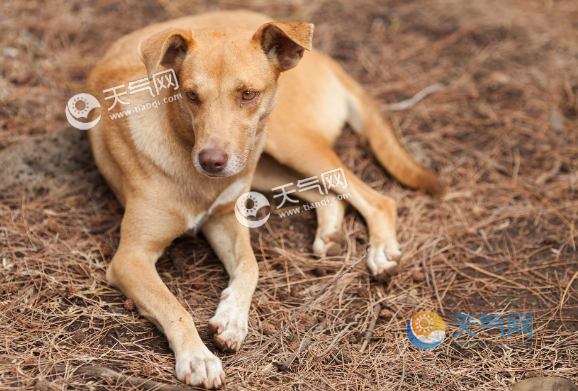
pixel 230 324
pixel 200 368
pixel 382 261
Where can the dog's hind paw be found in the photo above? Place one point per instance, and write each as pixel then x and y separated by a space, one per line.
pixel 229 326
pixel 329 245
pixel 200 369
pixel 382 261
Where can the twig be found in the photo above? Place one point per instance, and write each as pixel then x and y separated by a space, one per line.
pixel 546 176
pixel 433 277
pixel 406 104
pixel 147 384
pixel 304 345
pixel 369 333
pixel 402 372
pixel 503 279
pixel 425 273
pixel 272 338
pixel 341 334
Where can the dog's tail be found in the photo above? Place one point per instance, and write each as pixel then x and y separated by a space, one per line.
pixel 365 118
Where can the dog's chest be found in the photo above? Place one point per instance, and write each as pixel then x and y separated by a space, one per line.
pixel 197 218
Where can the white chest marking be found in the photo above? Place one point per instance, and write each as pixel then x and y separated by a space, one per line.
pixel 196 222
pixel 230 194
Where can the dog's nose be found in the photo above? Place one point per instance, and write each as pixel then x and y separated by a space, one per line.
pixel 213 160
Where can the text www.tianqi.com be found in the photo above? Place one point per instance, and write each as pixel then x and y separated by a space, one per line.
pixel 313 205
pixel 144 107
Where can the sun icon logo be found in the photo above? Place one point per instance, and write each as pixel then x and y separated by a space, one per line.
pixel 78 107
pixel 251 204
pixel 426 330
pixel 424 323
pixel 79 101
pixel 248 204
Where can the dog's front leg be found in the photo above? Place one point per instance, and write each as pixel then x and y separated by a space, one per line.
pixel 231 242
pixel 144 235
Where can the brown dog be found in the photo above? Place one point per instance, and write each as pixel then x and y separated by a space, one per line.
pixel 181 166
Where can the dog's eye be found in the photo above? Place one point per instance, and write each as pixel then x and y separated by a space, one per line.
pixel 192 96
pixel 249 95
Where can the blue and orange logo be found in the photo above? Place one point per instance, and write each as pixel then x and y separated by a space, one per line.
pixel 426 330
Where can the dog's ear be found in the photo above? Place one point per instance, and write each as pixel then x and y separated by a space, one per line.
pixel 284 42
pixel 167 48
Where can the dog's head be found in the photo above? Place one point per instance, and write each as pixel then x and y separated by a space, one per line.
pixel 229 79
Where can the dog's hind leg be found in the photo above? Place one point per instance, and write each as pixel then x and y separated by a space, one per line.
pixel 307 151
pixel 329 237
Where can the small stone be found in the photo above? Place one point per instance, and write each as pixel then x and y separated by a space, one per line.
pixel 545 384
pixel 418 276
pixel 129 305
pixel 492 288
pixel 378 334
pixel 10 52
pixel 268 329
pixel 78 336
pixel 70 291
pixel 43 385
pixel 79 269
pixel 148 370
pixel 11 289
pixel 107 249
pixel 551 239
pixel 320 272
pixel 282 295
pixel 114 206
pixel 199 283
pixel 303 318
pixel 499 78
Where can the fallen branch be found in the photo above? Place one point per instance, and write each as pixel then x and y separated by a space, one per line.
pixel 369 333
pixel 406 104
pixel 147 384
pixel 272 338
pixel 341 334
pixel 304 345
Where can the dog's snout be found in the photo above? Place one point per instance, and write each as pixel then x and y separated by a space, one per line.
pixel 213 160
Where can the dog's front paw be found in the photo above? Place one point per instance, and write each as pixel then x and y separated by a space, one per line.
pixel 200 368
pixel 229 325
pixel 382 261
